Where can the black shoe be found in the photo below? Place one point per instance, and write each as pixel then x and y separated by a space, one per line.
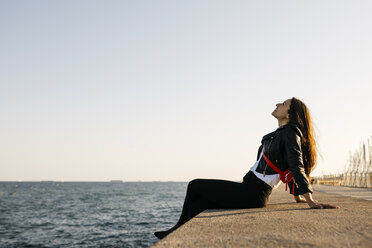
pixel 161 234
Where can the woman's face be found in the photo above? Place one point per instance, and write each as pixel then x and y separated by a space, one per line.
pixel 281 111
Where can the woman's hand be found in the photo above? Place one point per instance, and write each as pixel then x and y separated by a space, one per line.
pixel 316 205
pixel 299 199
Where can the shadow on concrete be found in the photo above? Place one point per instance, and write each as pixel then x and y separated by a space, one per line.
pixel 248 211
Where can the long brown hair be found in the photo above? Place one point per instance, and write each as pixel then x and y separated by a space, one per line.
pixel 299 115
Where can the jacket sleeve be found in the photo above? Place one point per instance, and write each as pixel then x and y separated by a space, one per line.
pixel 293 154
pixel 294 191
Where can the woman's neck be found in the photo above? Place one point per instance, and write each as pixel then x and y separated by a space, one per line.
pixel 283 122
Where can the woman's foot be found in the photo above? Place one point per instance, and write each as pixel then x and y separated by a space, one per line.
pixel 163 234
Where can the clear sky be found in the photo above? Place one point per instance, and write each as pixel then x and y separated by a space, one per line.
pixel 175 90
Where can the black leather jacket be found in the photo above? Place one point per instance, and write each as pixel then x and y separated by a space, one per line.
pixel 283 149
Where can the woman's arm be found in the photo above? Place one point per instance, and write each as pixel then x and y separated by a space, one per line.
pixel 293 153
pixel 295 164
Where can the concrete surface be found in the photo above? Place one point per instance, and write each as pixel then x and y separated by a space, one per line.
pixel 283 223
pixel 363 193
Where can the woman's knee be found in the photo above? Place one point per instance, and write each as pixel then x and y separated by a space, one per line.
pixel 194 183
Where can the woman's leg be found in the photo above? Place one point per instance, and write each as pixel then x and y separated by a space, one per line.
pixel 192 205
pixel 190 210
pixel 224 194
pixel 205 194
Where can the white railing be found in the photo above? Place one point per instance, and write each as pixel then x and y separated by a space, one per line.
pixel 358 170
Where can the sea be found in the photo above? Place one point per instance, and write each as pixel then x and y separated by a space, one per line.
pixel 87 214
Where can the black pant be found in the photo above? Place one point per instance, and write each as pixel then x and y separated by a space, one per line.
pixel 205 194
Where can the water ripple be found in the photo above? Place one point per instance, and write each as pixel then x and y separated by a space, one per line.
pixel 56 214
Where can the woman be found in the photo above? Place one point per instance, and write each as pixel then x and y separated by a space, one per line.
pixel 291 146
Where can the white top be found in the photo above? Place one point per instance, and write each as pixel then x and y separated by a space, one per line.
pixel 272 180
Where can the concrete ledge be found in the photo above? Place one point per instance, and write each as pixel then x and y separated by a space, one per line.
pixel 283 223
